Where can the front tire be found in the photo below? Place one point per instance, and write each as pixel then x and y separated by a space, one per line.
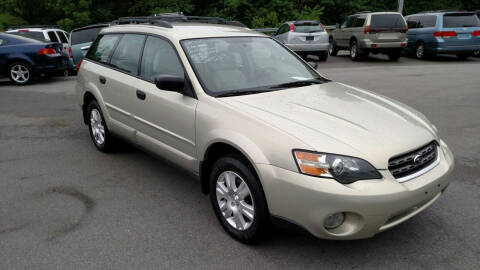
pixel 20 73
pixel 322 56
pixel 238 199
pixel 420 51
pixel 332 48
pixel 99 132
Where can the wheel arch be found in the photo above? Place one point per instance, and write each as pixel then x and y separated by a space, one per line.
pixel 87 98
pixel 12 60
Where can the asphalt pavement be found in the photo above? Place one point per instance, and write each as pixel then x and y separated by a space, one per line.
pixel 64 205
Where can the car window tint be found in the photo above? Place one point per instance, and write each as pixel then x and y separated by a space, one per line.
pixel 30 34
pixel 460 20
pixel 85 35
pixel 159 58
pixel 283 29
pixel 127 54
pixel 52 36
pixel 350 21
pixel 308 27
pixel 359 21
pixel 412 22
pixel 102 48
pixel 62 37
pixel 388 21
pixel 427 21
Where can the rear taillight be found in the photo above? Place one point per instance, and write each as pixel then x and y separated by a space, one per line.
pixel 367 29
pixel 46 51
pixel 445 34
pixel 405 30
pixel 476 33
pixel 70 52
pixel 292 27
pixel 79 64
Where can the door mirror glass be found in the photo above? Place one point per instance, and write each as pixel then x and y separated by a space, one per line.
pixel 170 83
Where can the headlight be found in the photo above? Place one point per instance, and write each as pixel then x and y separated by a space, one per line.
pixel 344 169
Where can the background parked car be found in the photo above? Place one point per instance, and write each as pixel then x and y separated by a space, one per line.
pixel 477 52
pixel 22 58
pixel 452 32
pixel 46 33
pixel 81 39
pixel 367 32
pixel 304 37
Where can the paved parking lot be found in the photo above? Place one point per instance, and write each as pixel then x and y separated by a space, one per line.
pixel 64 205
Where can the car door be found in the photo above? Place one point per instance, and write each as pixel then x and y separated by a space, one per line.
pixel 165 119
pixel 3 57
pixel 343 36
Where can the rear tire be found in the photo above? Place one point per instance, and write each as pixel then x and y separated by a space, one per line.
pixel 240 206
pixel 322 56
pixel 20 73
pixel 420 51
pixel 463 56
pixel 332 48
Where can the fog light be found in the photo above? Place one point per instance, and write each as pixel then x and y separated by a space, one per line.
pixel 333 221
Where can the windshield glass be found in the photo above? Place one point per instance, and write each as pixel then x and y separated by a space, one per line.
pixel 460 20
pixel 244 63
pixel 387 21
pixel 308 28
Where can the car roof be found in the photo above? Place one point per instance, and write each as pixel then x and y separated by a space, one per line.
pixel 35 29
pixel 182 30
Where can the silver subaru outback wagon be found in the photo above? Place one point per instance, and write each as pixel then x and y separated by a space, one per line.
pixel 269 138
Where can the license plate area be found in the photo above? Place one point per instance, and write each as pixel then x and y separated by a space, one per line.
pixel 388 35
pixel 464 36
pixel 309 38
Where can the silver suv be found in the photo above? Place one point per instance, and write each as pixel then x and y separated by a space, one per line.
pixel 268 137
pixel 304 38
pixel 370 32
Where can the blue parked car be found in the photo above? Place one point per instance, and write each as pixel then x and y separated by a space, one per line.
pixel 443 32
pixel 21 58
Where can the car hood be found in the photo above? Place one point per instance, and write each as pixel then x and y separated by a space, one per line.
pixel 337 118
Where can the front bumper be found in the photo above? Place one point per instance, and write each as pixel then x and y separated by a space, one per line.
pixel 370 206
pixel 313 47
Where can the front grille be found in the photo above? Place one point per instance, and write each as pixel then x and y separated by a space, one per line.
pixel 404 166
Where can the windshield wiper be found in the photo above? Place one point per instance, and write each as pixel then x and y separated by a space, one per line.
pixel 241 93
pixel 299 83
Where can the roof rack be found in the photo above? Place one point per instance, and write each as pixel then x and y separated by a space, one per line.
pixel 165 19
pixel 362 12
pixel 14 27
pixel 442 10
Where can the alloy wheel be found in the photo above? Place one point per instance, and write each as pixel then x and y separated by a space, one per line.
pixel 96 125
pixel 420 52
pixel 20 73
pixel 235 200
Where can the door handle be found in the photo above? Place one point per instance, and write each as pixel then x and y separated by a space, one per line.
pixel 102 80
pixel 141 95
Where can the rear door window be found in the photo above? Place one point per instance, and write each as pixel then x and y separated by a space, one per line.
pixel 387 21
pixel 308 27
pixel 283 29
pixel 52 36
pixel 159 58
pixel 427 21
pixel 85 35
pixel 102 48
pixel 359 21
pixel 460 20
pixel 127 54
pixel 62 37
pixel 412 22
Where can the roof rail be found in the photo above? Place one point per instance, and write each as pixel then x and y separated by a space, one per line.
pixel 442 10
pixel 160 21
pixel 365 11
pixel 14 27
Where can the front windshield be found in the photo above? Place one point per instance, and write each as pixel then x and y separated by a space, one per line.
pixel 234 64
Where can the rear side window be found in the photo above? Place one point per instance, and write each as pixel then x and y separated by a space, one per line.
pixel 359 21
pixel 102 48
pixel 127 54
pixel 85 36
pixel 30 34
pixel 412 22
pixel 308 27
pixel 62 37
pixel 460 20
pixel 159 58
pixel 387 21
pixel 53 37
pixel 427 21
pixel 283 29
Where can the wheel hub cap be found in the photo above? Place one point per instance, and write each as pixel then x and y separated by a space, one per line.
pixel 235 200
pixel 98 130
pixel 20 73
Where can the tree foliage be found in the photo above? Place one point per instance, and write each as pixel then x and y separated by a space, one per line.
pixel 69 14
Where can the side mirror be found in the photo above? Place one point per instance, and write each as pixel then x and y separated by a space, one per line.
pixel 170 83
pixel 337 26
